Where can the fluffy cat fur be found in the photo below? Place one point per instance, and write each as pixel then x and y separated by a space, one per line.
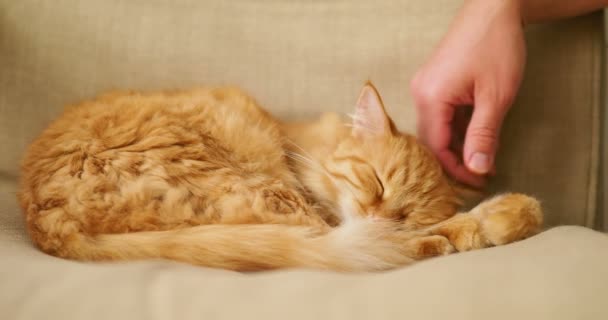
pixel 208 177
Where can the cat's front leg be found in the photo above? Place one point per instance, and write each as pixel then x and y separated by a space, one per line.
pixel 497 221
pixel 428 246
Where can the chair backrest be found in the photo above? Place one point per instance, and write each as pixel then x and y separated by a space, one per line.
pixel 300 58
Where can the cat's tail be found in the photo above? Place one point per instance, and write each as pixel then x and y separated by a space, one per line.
pixel 360 245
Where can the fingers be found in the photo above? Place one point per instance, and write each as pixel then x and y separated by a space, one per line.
pixel 456 169
pixel 481 141
pixel 462 117
pixel 434 126
pixel 435 130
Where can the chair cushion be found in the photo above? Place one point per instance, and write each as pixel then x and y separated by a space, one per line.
pixel 559 274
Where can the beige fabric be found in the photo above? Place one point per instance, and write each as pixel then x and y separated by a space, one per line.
pixel 300 58
pixel 560 274
pixel 602 217
pixel 551 137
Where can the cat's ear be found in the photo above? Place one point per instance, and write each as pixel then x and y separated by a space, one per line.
pixel 370 118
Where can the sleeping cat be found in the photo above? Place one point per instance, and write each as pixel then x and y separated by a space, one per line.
pixel 208 177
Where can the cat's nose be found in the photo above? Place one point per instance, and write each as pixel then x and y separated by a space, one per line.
pixel 374 212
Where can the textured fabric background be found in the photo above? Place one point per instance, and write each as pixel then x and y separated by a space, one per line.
pixel 561 274
pixel 602 218
pixel 300 58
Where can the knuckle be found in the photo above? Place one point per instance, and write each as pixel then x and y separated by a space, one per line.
pixel 426 96
pixel 423 91
pixel 485 134
pixel 502 100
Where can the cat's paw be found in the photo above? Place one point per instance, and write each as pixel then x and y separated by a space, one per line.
pixel 463 232
pixel 497 221
pixel 508 218
pixel 429 246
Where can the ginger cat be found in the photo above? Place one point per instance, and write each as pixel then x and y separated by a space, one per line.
pixel 208 177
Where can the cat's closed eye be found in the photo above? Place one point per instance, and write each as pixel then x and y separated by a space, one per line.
pixel 358 178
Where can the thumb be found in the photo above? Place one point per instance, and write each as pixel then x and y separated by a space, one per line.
pixel 481 139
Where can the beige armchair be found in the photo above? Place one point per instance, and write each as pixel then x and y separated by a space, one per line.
pixel 300 58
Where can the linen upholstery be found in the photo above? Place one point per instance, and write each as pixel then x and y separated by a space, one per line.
pixel 300 58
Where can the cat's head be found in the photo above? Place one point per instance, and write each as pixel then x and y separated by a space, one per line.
pixel 377 170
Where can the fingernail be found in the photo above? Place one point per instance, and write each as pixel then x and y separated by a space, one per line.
pixel 480 163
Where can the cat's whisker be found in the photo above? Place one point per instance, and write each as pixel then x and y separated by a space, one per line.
pixel 313 165
pixel 316 166
pixel 304 160
pixel 307 161
pixel 310 157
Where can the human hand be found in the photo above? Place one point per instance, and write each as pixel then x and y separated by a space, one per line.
pixel 479 63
